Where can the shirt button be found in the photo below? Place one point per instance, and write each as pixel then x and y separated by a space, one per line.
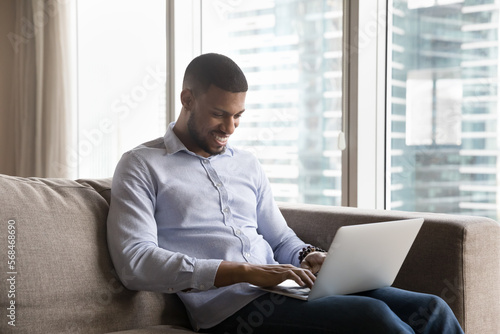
pixel 205 161
pixel 218 185
pixel 226 210
pixel 247 254
pixel 202 286
pixel 170 289
pixel 238 232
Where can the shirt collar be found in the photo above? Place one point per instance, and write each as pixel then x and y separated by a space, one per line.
pixel 173 144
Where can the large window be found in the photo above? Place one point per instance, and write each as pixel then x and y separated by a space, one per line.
pixel 291 53
pixel 414 84
pixel 121 75
pixel 444 139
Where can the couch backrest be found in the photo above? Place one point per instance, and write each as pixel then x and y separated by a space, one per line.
pixel 61 278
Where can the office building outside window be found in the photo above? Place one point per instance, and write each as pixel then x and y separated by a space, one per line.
pixel 444 139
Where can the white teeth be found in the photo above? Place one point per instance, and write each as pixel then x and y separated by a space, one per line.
pixel 221 139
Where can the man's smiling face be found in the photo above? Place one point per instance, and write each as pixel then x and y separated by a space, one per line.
pixel 213 117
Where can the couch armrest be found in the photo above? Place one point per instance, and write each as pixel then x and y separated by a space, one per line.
pixel 454 257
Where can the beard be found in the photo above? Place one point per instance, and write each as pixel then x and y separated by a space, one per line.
pixel 197 138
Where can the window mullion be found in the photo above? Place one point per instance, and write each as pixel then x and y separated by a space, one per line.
pixel 183 43
pixel 364 159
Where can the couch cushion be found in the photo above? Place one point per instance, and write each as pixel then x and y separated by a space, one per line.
pixel 64 280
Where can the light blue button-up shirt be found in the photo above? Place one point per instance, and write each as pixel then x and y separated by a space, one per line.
pixel 174 216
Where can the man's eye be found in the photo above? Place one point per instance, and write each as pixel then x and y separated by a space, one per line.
pixel 218 115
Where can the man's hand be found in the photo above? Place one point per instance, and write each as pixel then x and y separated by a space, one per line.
pixel 261 275
pixel 313 261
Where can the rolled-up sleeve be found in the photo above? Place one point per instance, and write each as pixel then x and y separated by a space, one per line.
pixel 133 238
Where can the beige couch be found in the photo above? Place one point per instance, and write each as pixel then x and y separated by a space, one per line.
pixel 62 280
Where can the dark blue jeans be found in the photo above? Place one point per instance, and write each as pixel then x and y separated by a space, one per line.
pixel 385 311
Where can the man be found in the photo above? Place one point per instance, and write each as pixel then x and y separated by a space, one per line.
pixel 191 215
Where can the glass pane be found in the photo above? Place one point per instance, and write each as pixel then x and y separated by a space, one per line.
pixel 444 139
pixel 121 80
pixel 291 53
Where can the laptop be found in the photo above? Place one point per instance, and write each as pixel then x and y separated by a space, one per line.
pixel 360 258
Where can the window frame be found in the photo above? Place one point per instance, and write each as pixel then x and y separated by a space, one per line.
pixel 365 159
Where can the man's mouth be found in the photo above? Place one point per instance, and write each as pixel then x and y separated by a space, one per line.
pixel 221 139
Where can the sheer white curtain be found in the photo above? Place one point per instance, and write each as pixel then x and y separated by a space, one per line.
pixel 41 93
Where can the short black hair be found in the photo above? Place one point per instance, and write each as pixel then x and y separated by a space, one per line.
pixel 214 69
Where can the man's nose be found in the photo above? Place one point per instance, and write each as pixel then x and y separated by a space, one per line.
pixel 229 125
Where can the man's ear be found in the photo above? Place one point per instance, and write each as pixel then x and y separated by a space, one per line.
pixel 187 98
